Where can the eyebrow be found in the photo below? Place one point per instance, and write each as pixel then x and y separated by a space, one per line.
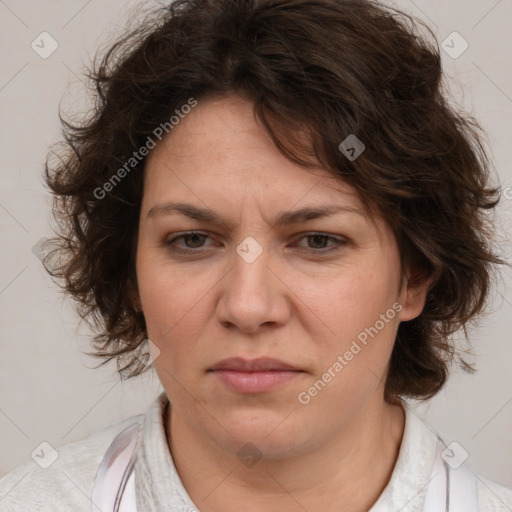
pixel 282 219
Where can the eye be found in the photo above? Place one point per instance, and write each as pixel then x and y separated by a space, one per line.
pixel 321 239
pixel 194 242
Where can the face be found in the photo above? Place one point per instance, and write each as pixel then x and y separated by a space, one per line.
pixel 319 297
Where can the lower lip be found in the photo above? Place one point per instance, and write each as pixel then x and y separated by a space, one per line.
pixel 254 382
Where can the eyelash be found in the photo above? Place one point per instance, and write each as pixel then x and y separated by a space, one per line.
pixel 338 243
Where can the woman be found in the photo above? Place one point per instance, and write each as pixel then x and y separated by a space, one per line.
pixel 274 199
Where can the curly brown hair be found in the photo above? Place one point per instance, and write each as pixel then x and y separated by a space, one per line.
pixel 328 68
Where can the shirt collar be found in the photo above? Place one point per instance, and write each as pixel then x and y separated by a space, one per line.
pixel 159 487
pixel 157 483
pixel 405 491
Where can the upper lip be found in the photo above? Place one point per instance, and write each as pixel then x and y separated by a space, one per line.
pixel 260 364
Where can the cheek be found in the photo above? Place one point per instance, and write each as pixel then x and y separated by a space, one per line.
pixel 163 307
pixel 177 309
pixel 360 312
pixel 167 293
pixel 354 300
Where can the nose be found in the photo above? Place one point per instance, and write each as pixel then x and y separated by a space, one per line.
pixel 254 292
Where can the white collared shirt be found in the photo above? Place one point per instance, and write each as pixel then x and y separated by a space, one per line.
pixel 67 484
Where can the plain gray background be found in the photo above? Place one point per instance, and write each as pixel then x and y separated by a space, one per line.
pixel 49 390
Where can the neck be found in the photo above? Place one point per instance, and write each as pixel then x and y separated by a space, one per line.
pixel 352 467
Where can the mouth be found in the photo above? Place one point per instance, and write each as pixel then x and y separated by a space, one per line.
pixel 254 375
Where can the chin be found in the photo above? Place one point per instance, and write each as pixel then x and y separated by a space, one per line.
pixel 273 434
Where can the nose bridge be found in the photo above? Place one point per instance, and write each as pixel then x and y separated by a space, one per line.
pixel 255 256
pixel 251 264
pixel 251 294
pixel 253 250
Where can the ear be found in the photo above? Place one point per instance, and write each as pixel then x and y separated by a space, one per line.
pixel 413 294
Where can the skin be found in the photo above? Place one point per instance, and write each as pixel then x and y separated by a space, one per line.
pixel 296 302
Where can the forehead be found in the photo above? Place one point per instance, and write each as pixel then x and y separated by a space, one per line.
pixel 221 156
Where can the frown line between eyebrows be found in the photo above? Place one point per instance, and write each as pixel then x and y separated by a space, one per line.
pixel 282 219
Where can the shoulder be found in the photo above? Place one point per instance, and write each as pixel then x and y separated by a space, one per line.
pixel 58 478
pixel 493 496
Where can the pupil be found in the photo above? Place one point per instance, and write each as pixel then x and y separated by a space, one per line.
pixel 316 237
pixel 195 236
